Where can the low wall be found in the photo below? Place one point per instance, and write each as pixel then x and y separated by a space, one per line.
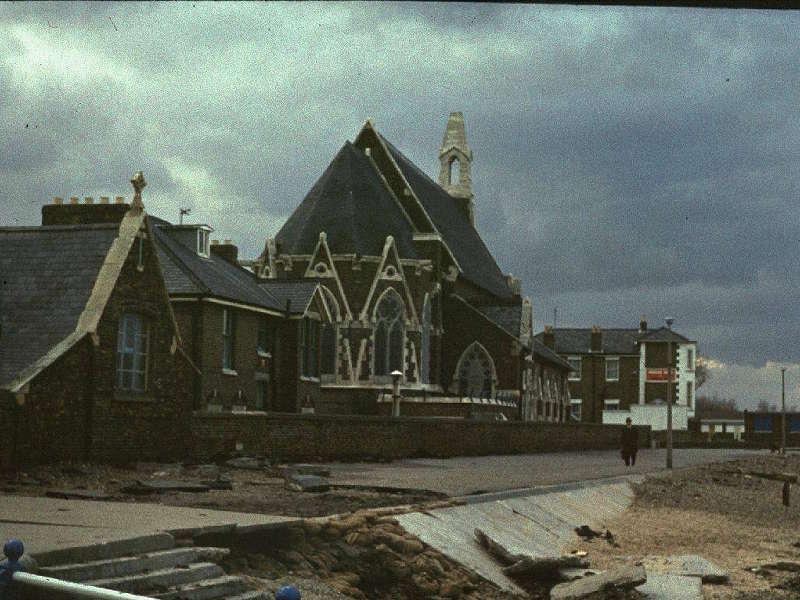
pixel 332 437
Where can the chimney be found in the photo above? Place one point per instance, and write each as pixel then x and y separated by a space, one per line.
pixel 226 250
pixel 82 213
pixel 597 339
pixel 549 338
pixel 643 324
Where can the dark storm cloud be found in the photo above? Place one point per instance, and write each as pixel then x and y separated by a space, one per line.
pixel 626 160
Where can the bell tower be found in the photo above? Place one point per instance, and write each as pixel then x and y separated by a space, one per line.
pixel 455 157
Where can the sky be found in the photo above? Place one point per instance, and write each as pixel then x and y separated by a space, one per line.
pixel 627 160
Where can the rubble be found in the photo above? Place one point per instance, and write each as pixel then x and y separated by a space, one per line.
pixel 624 578
pixel 307 483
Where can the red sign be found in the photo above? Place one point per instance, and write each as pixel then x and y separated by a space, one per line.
pixel 659 375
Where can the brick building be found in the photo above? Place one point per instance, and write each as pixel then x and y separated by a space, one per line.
pixel 412 287
pixel 256 342
pixel 91 358
pixel 621 373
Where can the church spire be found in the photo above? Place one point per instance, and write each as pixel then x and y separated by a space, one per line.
pixel 455 157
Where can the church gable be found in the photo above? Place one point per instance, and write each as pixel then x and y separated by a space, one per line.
pixel 322 266
pixel 390 273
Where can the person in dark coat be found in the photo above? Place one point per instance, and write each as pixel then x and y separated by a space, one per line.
pixel 629 443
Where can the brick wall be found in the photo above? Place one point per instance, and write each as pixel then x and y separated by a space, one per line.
pixel 307 437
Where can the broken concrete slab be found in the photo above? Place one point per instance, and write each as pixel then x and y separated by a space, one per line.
pixel 247 462
pixel 671 587
pixel 306 469
pixel 307 483
pixel 571 574
pixel 690 565
pixel 78 494
pixel 624 578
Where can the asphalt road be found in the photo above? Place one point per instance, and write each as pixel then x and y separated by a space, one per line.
pixel 474 474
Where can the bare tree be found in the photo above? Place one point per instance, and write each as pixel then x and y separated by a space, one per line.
pixel 701 374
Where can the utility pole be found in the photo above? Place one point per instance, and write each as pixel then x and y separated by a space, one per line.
pixel 669 321
pixel 783 410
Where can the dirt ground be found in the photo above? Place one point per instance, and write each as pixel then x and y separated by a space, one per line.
pixel 722 513
pixel 256 491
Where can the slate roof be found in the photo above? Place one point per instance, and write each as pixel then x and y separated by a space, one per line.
pixel 475 260
pixel 663 335
pixel 578 341
pixel 542 352
pixel 46 278
pixel 507 317
pixel 187 273
pixel 353 206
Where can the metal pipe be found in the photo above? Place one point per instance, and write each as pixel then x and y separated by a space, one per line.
pixel 76 590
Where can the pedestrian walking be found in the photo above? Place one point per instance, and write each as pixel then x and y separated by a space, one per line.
pixel 629 443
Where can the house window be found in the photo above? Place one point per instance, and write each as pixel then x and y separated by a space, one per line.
pixel 330 334
pixel 575 363
pixel 132 348
pixel 476 373
pixel 689 389
pixel 228 338
pixel 264 337
pixel 575 409
pixel 690 359
pixel 389 333
pixel 203 236
pixel 309 340
pixel 425 352
pixel 610 404
pixel 612 369
pixel 261 394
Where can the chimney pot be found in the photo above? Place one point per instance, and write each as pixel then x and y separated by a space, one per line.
pixel 215 242
pixel 88 200
pixel 58 200
pixel 228 242
pixel 119 199
pixel 73 199
pixel 643 324
pixel 104 199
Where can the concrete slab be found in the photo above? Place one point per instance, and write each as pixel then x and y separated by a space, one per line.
pixel 623 578
pixel 671 587
pixel 689 565
pixel 539 525
pixel 306 483
pixel 47 524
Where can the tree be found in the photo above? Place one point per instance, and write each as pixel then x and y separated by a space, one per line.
pixel 715 407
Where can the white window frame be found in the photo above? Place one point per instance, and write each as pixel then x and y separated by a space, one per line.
pixel 203 242
pixel 572 404
pixel 608 361
pixel 575 375
pixel 612 402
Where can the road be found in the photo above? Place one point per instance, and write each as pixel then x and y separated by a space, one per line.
pixel 463 476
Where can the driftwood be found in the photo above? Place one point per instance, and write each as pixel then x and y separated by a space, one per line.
pixel 521 565
pixel 788 477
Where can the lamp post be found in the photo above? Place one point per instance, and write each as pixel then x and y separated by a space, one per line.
pixel 783 410
pixel 669 321
pixel 396 376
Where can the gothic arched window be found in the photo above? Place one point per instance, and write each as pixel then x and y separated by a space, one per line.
pixel 476 372
pixel 425 351
pixel 330 334
pixel 389 333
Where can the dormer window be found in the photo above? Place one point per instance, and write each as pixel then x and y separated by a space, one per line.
pixel 203 242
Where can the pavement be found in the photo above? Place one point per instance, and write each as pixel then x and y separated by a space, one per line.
pixel 463 476
pixel 47 524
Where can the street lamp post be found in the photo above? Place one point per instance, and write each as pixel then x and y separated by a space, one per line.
pixel 783 410
pixel 396 376
pixel 669 321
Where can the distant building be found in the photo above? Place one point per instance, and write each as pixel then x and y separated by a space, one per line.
pixel 621 373
pixel 760 426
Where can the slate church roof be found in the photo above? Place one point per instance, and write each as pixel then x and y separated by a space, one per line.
pixel 353 207
pixel 352 204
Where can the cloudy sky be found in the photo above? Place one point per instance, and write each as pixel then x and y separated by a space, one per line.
pixel 626 160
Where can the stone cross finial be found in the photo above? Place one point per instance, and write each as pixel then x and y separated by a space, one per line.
pixel 138 183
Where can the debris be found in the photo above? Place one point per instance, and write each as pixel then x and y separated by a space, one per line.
pixel 587 532
pixel 690 565
pixel 247 462
pixel 788 477
pixel 163 485
pixel 520 565
pixel 783 565
pixel 77 494
pixel 571 574
pixel 305 469
pixel 624 578
pixel 307 483
pixel 669 587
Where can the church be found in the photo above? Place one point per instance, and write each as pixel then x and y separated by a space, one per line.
pixel 412 289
